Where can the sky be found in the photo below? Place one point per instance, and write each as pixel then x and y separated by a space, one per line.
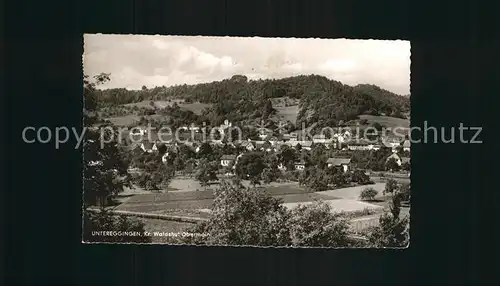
pixel 135 61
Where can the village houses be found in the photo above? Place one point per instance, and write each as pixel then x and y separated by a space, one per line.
pixel 300 165
pixel 339 162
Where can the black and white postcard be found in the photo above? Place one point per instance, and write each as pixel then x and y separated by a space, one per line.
pixel 234 141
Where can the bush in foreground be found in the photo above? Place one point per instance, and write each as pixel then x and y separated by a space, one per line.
pixel 250 216
pixel 368 194
pixel 392 230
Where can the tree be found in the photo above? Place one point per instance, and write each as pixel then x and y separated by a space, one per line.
pixel 391 231
pixel 405 191
pixel 392 165
pixel 390 186
pixel 368 194
pixel 253 217
pixel 245 217
pixel 268 110
pixel 164 175
pixel 406 166
pixel 316 179
pixel 358 176
pixel 104 167
pixel 205 150
pixel 316 225
pixel 190 166
pixel 377 126
pixel 319 156
pixel 287 157
pixel 339 179
pixel 250 166
pixel 298 147
pixel 206 172
pixel 270 175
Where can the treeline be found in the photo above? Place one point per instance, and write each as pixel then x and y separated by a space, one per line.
pixel 321 100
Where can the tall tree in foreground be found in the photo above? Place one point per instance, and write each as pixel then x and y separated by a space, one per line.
pixel 250 166
pixel 250 216
pixel 316 225
pixel 243 216
pixel 206 172
pixel 103 173
pixel 104 166
pixel 392 230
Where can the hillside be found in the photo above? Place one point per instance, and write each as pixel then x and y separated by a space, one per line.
pixel 309 98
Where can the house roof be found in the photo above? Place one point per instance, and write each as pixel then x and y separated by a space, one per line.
pixel 147 145
pixel 228 157
pixel 247 143
pixel 394 155
pixel 338 161
pixel 406 143
pixel 405 160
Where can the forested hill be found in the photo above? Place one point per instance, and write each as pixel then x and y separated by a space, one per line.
pixel 321 99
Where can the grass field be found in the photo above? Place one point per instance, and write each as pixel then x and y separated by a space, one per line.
pixel 198 203
pixel 287 113
pixel 195 107
pixel 386 121
pixel 353 193
pixel 341 205
pixel 123 120
pixel 192 203
pixel 202 199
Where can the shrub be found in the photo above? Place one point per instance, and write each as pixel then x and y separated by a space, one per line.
pixel 249 216
pixel 368 194
pixel 390 186
pixel 316 225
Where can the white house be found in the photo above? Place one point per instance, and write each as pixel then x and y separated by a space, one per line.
pixel 224 126
pixel 406 145
pixel 395 157
pixel 300 165
pixel 227 160
pixel 337 162
pixel 164 157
